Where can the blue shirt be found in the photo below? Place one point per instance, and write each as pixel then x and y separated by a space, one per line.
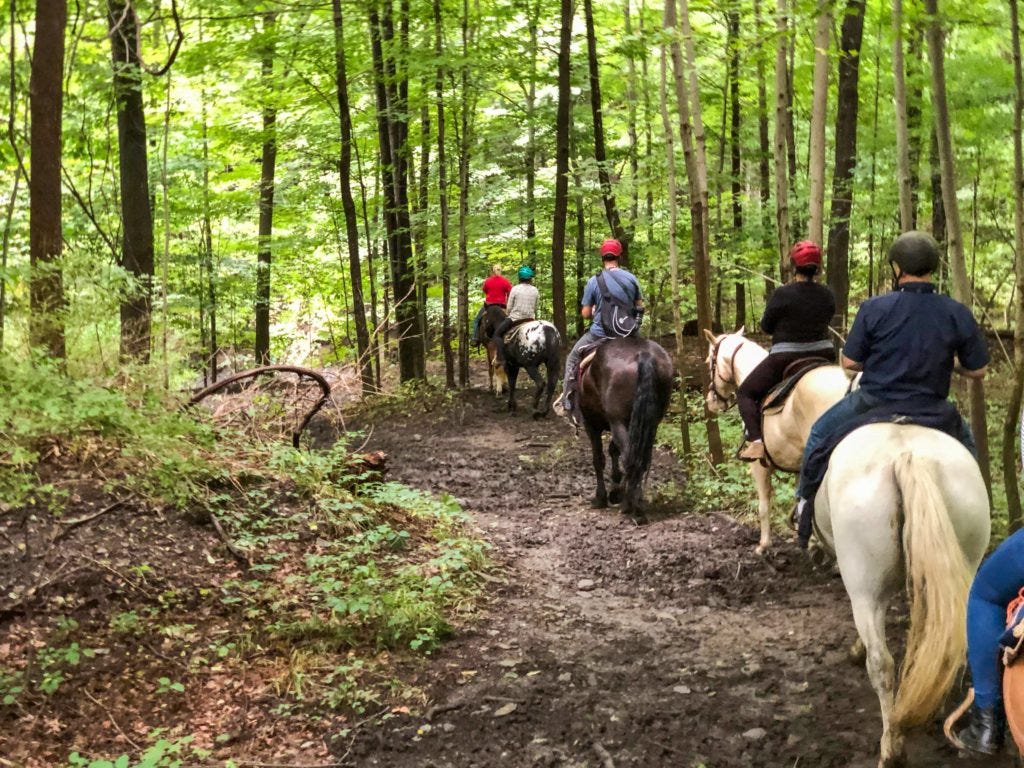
pixel 907 341
pixel 621 284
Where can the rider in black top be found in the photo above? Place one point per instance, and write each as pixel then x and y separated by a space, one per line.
pixel 797 317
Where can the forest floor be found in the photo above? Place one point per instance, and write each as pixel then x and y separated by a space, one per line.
pixel 599 643
pixel 608 644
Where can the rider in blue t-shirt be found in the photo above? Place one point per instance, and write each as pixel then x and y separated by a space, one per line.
pixel 624 287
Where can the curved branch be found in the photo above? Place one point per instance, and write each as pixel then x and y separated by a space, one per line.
pixel 179 38
pixel 325 389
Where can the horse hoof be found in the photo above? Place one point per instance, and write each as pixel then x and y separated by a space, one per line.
pixel 760 549
pixel 615 496
pixel 599 502
pixel 638 518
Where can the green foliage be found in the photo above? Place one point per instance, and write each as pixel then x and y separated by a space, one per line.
pixel 162 754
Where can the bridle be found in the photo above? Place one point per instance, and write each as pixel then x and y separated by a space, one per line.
pixel 727 401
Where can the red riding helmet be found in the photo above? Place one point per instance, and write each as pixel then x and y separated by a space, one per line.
pixel 611 247
pixel 805 253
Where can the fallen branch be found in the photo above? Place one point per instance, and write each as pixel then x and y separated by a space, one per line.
pixel 110 717
pixel 238 554
pixel 325 389
pixel 69 525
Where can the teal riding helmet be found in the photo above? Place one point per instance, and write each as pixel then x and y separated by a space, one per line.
pixel 525 273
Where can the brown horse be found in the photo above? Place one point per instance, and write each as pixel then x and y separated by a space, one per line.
pixel 625 391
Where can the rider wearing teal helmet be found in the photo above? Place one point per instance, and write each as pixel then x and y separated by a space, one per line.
pixel 522 306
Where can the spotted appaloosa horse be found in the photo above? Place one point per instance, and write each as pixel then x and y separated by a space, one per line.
pixel 625 391
pixel 528 345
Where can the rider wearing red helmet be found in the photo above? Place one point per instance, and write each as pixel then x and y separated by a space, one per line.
pixel 797 318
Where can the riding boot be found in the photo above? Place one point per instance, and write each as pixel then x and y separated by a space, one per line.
pixel 753 451
pixel 986 731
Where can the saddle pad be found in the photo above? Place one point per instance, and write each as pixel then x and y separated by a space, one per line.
pixel 587 355
pixel 796 370
pixel 1013 701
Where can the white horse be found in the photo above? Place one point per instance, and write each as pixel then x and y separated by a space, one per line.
pixel 902 505
pixel 731 358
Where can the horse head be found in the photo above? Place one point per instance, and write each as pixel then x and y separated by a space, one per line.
pixel 721 394
pixel 493 315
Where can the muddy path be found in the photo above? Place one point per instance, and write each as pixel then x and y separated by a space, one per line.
pixel 605 644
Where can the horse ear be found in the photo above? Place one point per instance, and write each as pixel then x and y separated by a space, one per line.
pixel 742 329
pixel 709 335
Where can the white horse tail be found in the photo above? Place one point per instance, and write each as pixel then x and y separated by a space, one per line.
pixel 938 580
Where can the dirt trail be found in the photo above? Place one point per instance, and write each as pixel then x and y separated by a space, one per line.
pixel 611 645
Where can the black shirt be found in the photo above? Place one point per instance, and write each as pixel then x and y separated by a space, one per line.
pixel 906 340
pixel 799 312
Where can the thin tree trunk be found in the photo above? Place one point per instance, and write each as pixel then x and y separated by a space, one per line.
pixel 561 168
pixel 581 240
pixel 874 158
pixel 938 205
pixel 348 203
pixel 600 155
pixel 371 271
pixel 268 167
pixel 685 76
pixel 530 160
pixel 465 146
pixel 847 102
pixel 958 266
pixel 1009 455
pixel 781 128
pixel 206 233
pixel 13 199
pixel 136 211
pixel 442 189
pixel 673 201
pixel 736 180
pixel 765 154
pixel 420 230
pixel 915 97
pixel 648 131
pixel 900 96
pixel 631 129
pixel 819 111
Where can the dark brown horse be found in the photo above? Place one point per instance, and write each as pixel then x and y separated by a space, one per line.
pixel 625 391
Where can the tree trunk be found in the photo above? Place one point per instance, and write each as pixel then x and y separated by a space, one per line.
pixel 938 205
pixel 465 146
pixel 688 103
pixel 268 167
pixel 530 159
pixel 600 155
pixel 819 111
pixel 1009 455
pixel 442 191
pixel 874 156
pixel 136 210
pixel 46 287
pixel 765 154
pixel 631 131
pixel 846 158
pixel 673 200
pixel 781 128
pixel 958 266
pixel 902 142
pixel 420 230
pixel 736 180
pixel 561 169
pixel 915 97
pixel 348 203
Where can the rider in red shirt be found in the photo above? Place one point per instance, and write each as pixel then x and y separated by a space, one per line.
pixel 496 290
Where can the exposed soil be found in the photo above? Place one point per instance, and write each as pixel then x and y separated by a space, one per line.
pixel 670 644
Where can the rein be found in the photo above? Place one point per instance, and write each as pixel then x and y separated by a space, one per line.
pixel 727 401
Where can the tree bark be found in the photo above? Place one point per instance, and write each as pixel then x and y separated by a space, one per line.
pixel 846 158
pixel 819 110
pixel 736 178
pixel 902 141
pixel 348 203
pixel 268 167
pixel 781 129
pixel 1009 455
pixel 465 146
pixel 765 154
pixel 136 207
pixel 442 191
pixel 631 126
pixel 673 201
pixel 600 154
pixel 530 159
pixel 46 286
pixel 561 168
pixel 958 267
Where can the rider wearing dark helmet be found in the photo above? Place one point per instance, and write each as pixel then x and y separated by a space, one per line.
pixel 522 305
pixel 796 317
pixel 906 344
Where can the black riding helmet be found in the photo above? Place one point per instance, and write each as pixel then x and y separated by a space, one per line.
pixel 917 253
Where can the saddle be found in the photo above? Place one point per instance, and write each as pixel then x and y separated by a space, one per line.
pixel 516 324
pixel 587 355
pixel 776 397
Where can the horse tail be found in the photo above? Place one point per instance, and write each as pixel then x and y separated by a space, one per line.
pixel 648 408
pixel 938 580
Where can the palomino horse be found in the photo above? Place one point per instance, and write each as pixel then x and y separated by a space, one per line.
pixel 625 391
pixel 902 505
pixel 731 358
pixel 528 345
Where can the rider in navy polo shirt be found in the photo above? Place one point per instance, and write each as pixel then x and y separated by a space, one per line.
pixel 905 343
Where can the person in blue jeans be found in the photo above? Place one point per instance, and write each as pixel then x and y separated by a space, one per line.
pixel 997 582
pixel 907 344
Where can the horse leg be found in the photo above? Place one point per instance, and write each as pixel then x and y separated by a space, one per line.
pixel 632 494
pixel 615 496
pixel 534 373
pixel 869 616
pixel 600 500
pixel 763 481
pixel 513 375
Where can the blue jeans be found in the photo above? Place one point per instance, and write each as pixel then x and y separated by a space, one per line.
pixel 996 584
pixel 572 360
pixel 850 407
